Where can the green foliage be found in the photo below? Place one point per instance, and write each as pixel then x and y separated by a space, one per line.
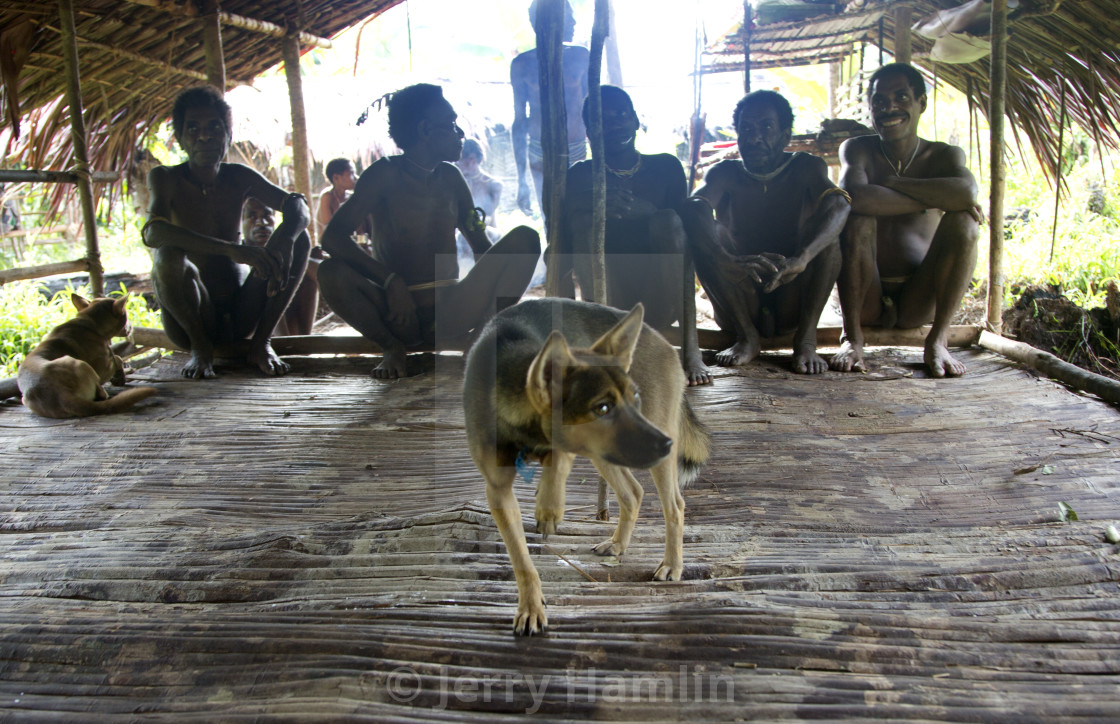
pixel 27 315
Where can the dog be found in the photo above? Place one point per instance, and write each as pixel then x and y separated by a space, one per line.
pixel 550 379
pixel 64 375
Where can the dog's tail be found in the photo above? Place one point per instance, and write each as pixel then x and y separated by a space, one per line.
pixel 69 405
pixel 694 444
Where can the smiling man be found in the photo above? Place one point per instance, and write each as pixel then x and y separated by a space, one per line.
pixel 909 247
pixel 645 241
pixel 200 266
pixel 769 254
pixel 408 292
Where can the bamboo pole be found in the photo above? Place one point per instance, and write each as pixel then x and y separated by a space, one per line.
pixel 253 25
pixel 746 33
pixel 554 129
pixel 902 40
pixel 78 139
pixel 598 165
pixel 212 45
pixel 55 177
pixel 999 172
pixel 1048 364
pixel 300 156
pixel 44 270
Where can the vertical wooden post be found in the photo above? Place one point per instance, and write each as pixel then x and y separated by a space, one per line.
pixel 212 45
pixel 746 33
pixel 598 166
pixel 78 139
pixel 300 157
pixel 902 42
pixel 999 173
pixel 554 128
pixel 614 63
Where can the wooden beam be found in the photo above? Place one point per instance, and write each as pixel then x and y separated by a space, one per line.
pixel 55 177
pixel 598 164
pixel 999 172
pixel 903 19
pixel 212 45
pixel 1051 366
pixel 43 270
pixel 253 25
pixel 301 158
pixel 746 34
pixel 554 128
pixel 80 149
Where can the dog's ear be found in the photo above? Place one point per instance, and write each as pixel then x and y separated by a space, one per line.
pixel 79 301
pixel 120 303
pixel 620 340
pixel 546 369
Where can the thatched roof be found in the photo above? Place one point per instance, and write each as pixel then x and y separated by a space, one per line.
pixel 134 57
pixel 1051 44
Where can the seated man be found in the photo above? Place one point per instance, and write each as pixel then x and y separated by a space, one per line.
pixel 408 291
pixel 645 240
pixel 257 224
pixel 769 257
pixel 910 244
pixel 340 174
pixel 206 295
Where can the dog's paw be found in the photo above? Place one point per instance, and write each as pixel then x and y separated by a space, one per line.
pixel 665 572
pixel 549 520
pixel 531 618
pixel 608 548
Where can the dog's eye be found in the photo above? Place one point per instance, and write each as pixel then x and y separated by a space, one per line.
pixel 602 408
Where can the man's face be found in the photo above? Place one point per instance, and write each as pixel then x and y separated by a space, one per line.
pixel 761 138
pixel 894 107
pixel 620 125
pixel 257 223
pixel 205 136
pixel 442 133
pixel 345 180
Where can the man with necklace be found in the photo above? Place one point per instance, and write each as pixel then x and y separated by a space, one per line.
pixel 909 247
pixel 765 234
pixel 200 265
pixel 408 293
pixel 645 239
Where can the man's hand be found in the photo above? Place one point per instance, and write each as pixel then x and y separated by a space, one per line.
pixel 755 266
pixel 266 263
pixel 402 310
pixel 977 213
pixel 524 198
pixel 788 268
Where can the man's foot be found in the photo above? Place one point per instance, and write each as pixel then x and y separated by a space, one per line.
pixel 200 366
pixel 697 373
pixel 741 353
pixel 849 358
pixel 808 362
pixel 941 363
pixel 392 366
pixel 267 361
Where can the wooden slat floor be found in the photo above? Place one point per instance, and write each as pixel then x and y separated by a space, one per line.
pixel 318 547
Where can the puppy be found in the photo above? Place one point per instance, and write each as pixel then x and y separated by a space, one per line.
pixel 65 374
pixel 550 379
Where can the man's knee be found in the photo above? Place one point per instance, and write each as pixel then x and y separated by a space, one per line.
pixel 960 226
pixel 667 232
pixel 520 240
pixel 859 232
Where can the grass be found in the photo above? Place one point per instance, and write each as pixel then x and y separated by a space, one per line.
pixel 27 315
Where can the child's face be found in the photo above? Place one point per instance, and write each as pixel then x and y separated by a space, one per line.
pixel 469 164
pixel 345 180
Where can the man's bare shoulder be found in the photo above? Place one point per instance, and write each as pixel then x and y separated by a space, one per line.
pixel 577 53
pixel 662 160
pixel 523 63
pixel 727 171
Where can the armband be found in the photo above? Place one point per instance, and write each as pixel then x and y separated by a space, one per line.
pixel 388 280
pixel 477 220
pixel 151 220
pixel 835 190
pixel 293 197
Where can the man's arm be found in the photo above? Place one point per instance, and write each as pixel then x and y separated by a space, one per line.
pixel 951 187
pixel 470 223
pixel 826 220
pixel 160 231
pixel 519 130
pixel 323 213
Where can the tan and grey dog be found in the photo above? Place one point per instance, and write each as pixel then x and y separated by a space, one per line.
pixel 64 375
pixel 550 379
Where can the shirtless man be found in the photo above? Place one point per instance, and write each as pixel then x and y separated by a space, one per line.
pixel 409 291
pixel 257 224
pixel 769 257
pixel 340 173
pixel 524 76
pixel 206 294
pixel 485 189
pixel 910 244
pixel 645 240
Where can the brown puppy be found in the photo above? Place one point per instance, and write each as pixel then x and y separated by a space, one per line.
pixel 65 374
pixel 549 379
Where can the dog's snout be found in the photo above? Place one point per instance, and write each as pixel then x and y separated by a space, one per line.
pixel 665 445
